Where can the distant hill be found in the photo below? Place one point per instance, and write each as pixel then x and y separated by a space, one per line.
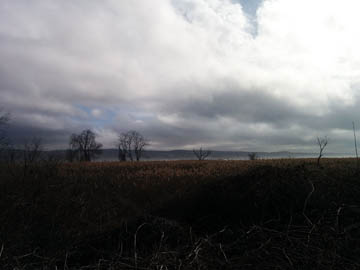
pixel 111 154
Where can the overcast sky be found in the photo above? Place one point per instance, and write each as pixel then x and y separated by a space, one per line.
pixel 252 75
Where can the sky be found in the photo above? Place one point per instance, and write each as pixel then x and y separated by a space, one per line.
pixel 252 75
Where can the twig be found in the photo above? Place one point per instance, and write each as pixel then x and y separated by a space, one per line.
pixel 65 262
pixel 356 152
pixel 223 252
pixel 196 251
pixel 180 264
pixel 337 225
pixel 306 201
pixel 161 241
pixel 24 256
pixel 288 258
pixel 135 238
pixel 264 244
pixel 309 233
pixel 191 237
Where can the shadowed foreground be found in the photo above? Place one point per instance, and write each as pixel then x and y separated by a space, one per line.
pixel 283 214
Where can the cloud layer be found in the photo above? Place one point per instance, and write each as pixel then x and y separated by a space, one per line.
pixel 185 73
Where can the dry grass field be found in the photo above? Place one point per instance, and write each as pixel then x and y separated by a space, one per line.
pixel 264 214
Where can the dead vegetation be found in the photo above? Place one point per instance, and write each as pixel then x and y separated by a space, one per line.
pixel 284 214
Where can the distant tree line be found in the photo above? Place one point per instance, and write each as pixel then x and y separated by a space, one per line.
pixel 83 147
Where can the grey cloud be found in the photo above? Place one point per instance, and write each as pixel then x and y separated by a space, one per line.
pixel 183 83
pixel 51 139
pixel 244 106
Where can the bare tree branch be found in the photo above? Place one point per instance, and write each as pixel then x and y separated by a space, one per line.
pixel 201 154
pixel 4 119
pixel 131 142
pixel 125 146
pixel 322 142
pixel 253 156
pixel 139 143
pixel 32 150
pixel 83 146
pixel 355 144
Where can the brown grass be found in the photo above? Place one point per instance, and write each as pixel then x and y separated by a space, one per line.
pixel 263 214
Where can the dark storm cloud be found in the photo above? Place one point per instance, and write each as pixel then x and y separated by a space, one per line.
pixel 245 106
pixel 53 139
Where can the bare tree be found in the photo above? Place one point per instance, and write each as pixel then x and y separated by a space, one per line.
pixel 26 157
pixel 253 156
pixel 84 145
pixel 131 142
pixel 124 146
pixel 4 119
pixel 322 143
pixel 139 143
pixel 32 151
pixel 355 144
pixel 201 154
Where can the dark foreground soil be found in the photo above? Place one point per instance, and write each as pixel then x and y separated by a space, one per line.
pixel 280 214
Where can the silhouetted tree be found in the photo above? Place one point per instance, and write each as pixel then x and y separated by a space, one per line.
pixel 355 145
pixel 201 154
pixel 4 119
pixel 32 151
pixel 322 142
pixel 139 143
pixel 253 156
pixel 124 146
pixel 84 146
pixel 131 142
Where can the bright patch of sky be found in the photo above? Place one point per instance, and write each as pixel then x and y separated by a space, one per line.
pixel 249 6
